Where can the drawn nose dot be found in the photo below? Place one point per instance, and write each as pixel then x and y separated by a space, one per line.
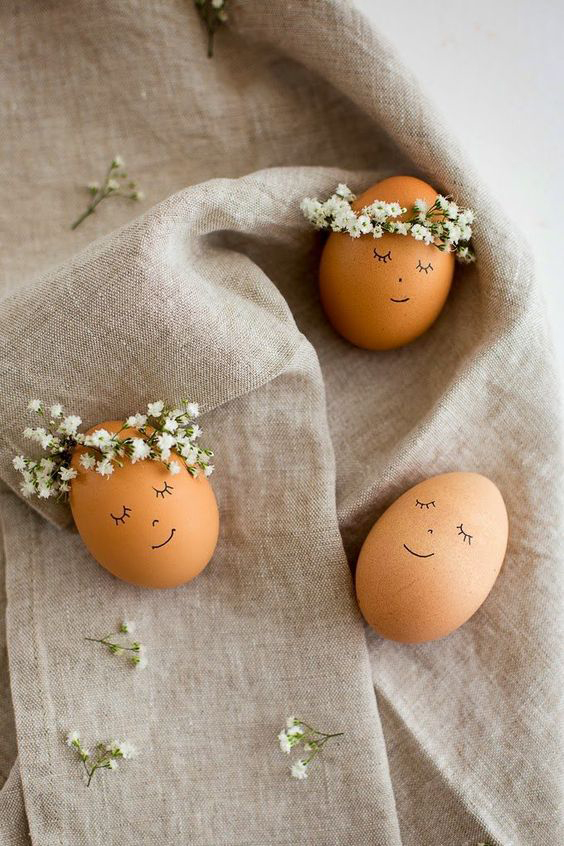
pixel 155 522
pixel 400 279
pixel 430 531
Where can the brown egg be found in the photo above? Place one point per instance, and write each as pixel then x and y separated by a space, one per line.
pixel 143 524
pixel 432 558
pixel 381 293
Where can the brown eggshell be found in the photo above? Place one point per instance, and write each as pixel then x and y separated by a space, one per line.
pixel 418 577
pixel 381 304
pixel 165 540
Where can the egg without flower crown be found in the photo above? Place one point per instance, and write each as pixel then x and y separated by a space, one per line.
pixel 432 558
pixel 382 293
pixel 143 524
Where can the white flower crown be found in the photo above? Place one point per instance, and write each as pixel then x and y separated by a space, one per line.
pixel 444 224
pixel 171 429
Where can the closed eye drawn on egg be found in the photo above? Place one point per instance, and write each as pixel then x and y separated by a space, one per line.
pixel 385 258
pixel 424 267
pixel 465 535
pixel 426 505
pixel 166 490
pixel 123 517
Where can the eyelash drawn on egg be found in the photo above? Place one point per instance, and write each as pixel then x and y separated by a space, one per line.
pixel 421 267
pixel 122 519
pixel 385 258
pixel 426 505
pixel 166 490
pixel 466 536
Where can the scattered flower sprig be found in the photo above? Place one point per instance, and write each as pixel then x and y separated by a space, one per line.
pixel 213 13
pixel 298 732
pixel 112 186
pixel 442 224
pixel 161 430
pixel 138 653
pixel 105 756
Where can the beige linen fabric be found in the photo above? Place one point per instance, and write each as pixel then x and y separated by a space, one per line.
pixel 211 293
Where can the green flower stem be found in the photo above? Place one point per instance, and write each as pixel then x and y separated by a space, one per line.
pixel 90 210
pixel 110 643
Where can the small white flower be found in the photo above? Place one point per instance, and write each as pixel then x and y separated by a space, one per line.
pixel 56 411
pixel 100 438
pixel 452 211
pixel 125 749
pixel 112 764
pixel 113 185
pixel 87 460
pixel 140 450
pixel 378 210
pixel 377 232
pixel 67 473
pixel 295 731
pixel 395 210
pixel 453 231
pixel 117 161
pixel 189 453
pixel 28 432
pixel 442 202
pixel 105 467
pixel 44 491
pixel 72 738
pixel 137 421
pixel 353 228
pixel 174 468
pixel 127 626
pixel 217 4
pixel 418 231
pixel 47 440
pixel 284 742
pixel 345 192
pixel 46 465
pixel 365 224
pixel 170 425
pixel 19 462
pixel 138 195
pixel 34 405
pixel 292 721
pixel 93 187
pixel 421 206
pixel 70 424
pixel 208 469
pixel 299 770
pixel 27 489
pixel 165 442
pixel 64 487
pixel 309 206
pixel 466 217
pixel 465 232
pixel 155 409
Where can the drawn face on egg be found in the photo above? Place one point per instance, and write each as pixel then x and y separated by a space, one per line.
pixel 432 558
pixel 383 293
pixel 143 524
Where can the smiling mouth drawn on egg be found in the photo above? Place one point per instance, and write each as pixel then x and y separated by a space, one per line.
pixel 405 300
pixel 170 537
pixel 417 555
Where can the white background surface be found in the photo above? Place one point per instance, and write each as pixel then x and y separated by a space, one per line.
pixel 495 70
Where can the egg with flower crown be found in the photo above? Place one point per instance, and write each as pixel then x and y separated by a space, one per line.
pixel 152 521
pixel 387 267
pixel 432 558
pixel 138 489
